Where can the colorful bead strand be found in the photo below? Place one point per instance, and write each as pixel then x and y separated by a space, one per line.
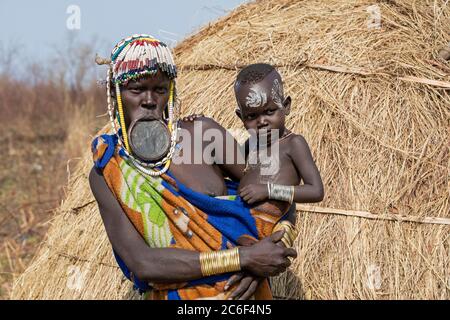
pixel 122 118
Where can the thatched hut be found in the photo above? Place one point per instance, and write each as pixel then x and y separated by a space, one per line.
pixel 371 96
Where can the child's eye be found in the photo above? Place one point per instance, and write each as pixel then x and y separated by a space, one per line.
pixel 271 111
pixel 250 117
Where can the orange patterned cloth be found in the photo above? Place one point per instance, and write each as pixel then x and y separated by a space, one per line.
pixel 168 214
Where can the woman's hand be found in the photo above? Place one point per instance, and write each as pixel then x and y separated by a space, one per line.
pixel 254 193
pixel 246 288
pixel 266 258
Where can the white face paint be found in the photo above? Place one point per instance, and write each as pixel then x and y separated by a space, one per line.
pixel 256 98
pixel 277 93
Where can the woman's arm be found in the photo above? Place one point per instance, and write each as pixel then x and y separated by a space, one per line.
pixel 148 264
pixel 160 265
pixel 229 155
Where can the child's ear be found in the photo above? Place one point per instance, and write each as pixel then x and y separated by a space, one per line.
pixel 238 113
pixel 287 105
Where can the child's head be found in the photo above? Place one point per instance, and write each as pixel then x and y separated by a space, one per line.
pixel 259 94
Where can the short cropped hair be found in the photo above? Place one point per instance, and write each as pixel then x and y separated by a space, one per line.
pixel 253 73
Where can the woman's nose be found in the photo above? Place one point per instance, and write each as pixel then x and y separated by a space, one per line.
pixel 148 101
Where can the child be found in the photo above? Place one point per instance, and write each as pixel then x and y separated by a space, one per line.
pixel 263 109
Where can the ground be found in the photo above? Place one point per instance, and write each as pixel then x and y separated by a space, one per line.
pixel 38 153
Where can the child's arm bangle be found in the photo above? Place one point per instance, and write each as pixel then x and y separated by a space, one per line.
pixel 289 232
pixel 280 192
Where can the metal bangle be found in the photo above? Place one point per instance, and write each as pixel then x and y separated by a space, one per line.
pixel 281 192
pixel 218 262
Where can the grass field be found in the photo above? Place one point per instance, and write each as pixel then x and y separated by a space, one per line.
pixel 44 130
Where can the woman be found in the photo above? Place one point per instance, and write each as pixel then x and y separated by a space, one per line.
pixel 176 234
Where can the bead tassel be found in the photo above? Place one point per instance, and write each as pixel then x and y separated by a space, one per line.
pixel 122 118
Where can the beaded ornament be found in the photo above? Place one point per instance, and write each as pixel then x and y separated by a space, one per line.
pixel 132 58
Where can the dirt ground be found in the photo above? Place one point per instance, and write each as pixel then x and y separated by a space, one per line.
pixel 38 154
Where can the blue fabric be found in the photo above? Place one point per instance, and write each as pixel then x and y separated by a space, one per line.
pixel 232 187
pixel 173 295
pixel 232 217
pixel 111 141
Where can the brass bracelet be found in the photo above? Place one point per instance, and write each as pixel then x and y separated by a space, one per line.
pixel 287 244
pixel 277 228
pixel 284 225
pixel 288 227
pixel 289 232
pixel 218 262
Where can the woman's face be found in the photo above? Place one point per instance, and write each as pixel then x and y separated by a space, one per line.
pixel 145 97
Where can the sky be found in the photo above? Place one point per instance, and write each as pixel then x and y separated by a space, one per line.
pixel 39 27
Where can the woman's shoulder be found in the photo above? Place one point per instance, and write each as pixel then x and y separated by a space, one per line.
pixel 206 123
pixel 96 182
pixel 103 148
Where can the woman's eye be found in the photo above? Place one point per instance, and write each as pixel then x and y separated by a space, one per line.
pixel 135 90
pixel 161 90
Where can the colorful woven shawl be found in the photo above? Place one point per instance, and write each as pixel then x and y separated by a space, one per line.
pixel 168 214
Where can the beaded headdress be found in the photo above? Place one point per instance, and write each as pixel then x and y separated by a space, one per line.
pixel 132 58
pixel 141 55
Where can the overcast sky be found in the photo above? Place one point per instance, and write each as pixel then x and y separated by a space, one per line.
pixel 40 26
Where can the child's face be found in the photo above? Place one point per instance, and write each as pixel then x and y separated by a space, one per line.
pixel 262 106
pixel 145 97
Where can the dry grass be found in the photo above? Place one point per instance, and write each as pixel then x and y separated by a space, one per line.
pixel 40 146
pixel 381 143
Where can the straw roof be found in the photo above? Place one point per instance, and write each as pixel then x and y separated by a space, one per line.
pixel 373 103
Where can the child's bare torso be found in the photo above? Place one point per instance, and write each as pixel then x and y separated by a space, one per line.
pixel 277 170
